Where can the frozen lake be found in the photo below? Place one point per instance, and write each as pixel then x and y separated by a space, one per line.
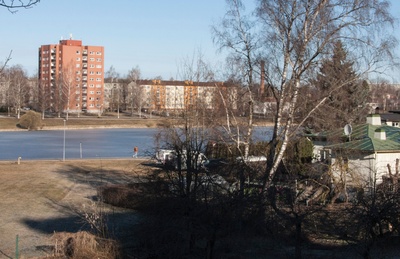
pixel 88 143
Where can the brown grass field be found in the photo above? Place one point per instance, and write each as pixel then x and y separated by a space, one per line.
pixel 40 198
pixel 110 120
pixel 10 123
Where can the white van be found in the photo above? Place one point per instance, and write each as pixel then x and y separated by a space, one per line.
pixel 168 157
pixel 251 159
pixel 164 155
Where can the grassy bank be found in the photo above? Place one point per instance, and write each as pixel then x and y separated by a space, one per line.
pixel 10 123
pixel 110 120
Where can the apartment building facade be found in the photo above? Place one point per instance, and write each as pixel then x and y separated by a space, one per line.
pixel 166 96
pixel 71 77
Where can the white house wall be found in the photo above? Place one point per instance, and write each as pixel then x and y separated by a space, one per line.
pixel 359 171
pixel 367 170
pixel 382 160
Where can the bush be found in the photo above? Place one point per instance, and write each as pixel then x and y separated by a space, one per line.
pixel 31 121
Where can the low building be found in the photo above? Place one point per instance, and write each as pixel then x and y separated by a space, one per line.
pixel 363 156
pixel 391 119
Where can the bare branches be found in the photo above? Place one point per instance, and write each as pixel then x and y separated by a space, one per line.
pixel 12 5
pixel 5 63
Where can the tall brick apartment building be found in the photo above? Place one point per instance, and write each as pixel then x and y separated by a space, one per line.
pixel 71 77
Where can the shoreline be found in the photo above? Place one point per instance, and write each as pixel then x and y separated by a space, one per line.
pixel 83 160
pixel 81 128
pixel 89 127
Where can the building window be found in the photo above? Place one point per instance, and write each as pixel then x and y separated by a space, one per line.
pixel 98 66
pixel 98 92
pixel 98 73
pixel 78 59
pixel 98 52
pixel 78 52
pixel 98 79
pixel 91 85
pixel 98 60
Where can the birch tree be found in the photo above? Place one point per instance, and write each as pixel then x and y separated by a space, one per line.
pixel 298 35
pixel 68 78
pixel 18 88
pixel 293 38
pixel 135 91
pixel 236 33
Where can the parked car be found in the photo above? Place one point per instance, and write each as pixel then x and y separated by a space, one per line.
pixel 252 159
pixel 169 157
pixel 164 156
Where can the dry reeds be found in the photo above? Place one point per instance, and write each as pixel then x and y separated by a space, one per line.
pixel 84 245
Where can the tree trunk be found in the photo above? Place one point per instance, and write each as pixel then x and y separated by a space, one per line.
pixel 298 251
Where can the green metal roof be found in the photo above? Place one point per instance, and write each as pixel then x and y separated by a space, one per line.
pixel 362 139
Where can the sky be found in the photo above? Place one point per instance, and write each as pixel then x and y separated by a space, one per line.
pixel 155 35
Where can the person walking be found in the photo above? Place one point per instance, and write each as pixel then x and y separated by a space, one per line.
pixel 135 151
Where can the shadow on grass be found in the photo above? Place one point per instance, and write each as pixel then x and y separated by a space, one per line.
pixel 120 222
pixel 61 224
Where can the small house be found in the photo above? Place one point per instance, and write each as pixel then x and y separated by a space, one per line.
pixel 366 154
pixel 361 155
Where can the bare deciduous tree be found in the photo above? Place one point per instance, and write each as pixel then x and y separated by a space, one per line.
pixel 67 76
pixel 18 88
pixel 135 98
pixel 298 34
pixel 236 33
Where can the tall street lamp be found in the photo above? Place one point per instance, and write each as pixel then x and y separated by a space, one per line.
pixel 64 143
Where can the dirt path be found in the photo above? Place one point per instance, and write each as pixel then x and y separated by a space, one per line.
pixel 39 198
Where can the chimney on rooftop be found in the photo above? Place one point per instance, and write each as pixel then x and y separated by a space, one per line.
pixel 380 134
pixel 374 119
